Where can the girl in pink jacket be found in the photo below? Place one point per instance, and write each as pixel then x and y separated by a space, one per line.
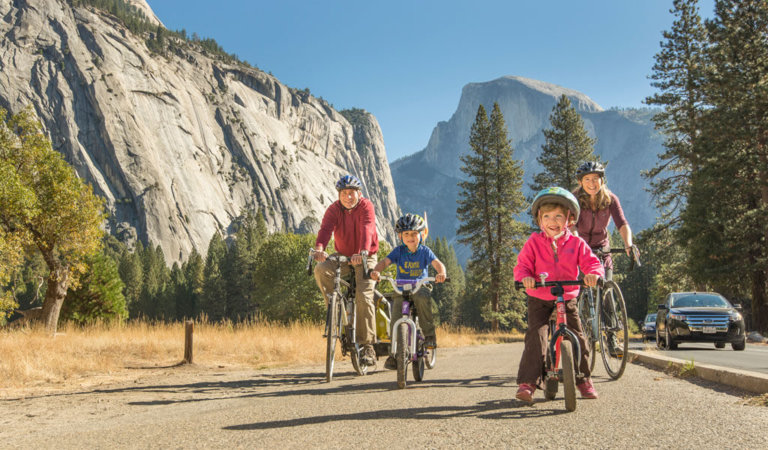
pixel 559 254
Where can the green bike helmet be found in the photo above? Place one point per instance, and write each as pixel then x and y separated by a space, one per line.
pixel 557 195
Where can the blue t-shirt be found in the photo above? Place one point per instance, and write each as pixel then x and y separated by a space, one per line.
pixel 412 266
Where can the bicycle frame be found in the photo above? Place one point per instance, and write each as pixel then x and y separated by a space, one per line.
pixel 406 291
pixel 560 331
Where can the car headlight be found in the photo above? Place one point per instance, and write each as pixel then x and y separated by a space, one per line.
pixel 677 316
pixel 735 316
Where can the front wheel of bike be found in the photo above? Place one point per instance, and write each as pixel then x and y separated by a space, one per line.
pixel 332 336
pixel 402 355
pixel 587 324
pixel 614 332
pixel 569 375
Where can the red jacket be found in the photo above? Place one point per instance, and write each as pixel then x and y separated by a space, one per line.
pixel 537 256
pixel 353 229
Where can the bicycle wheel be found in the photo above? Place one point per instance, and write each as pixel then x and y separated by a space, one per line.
pixel 332 336
pixel 587 323
pixel 352 346
pixel 614 332
pixel 418 367
pixel 569 375
pixel 402 355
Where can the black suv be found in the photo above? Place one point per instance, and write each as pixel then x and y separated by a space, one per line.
pixel 699 317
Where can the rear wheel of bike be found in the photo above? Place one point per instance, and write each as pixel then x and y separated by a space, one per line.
pixel 569 375
pixel 587 324
pixel 418 368
pixel 354 348
pixel 614 332
pixel 430 357
pixel 332 336
pixel 402 355
pixel 550 382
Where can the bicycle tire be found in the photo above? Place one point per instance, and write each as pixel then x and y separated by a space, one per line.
pixel 569 375
pixel 587 325
pixel 614 330
pixel 352 346
pixel 402 355
pixel 332 336
pixel 418 368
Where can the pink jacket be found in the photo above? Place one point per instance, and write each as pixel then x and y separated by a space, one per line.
pixel 537 256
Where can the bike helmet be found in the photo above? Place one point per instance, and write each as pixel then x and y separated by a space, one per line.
pixel 555 195
pixel 348 182
pixel 590 167
pixel 410 222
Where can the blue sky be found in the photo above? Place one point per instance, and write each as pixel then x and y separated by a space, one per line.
pixel 406 61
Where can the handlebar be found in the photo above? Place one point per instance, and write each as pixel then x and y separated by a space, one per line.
pixel 412 287
pixel 634 251
pixel 338 259
pixel 519 284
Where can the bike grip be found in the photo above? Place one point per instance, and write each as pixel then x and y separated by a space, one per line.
pixel 519 285
pixel 366 270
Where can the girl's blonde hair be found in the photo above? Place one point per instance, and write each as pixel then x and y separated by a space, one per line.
pixel 603 197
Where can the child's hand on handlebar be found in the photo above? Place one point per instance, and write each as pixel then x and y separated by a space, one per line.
pixel 529 282
pixel 590 279
pixel 439 278
pixel 374 275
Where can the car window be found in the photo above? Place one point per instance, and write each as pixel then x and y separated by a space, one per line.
pixel 700 301
pixel 650 318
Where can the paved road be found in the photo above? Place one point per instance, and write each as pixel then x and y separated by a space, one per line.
pixel 753 358
pixel 465 401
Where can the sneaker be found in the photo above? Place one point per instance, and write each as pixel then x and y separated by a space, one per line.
pixel 368 355
pixel 525 392
pixel 430 342
pixel 390 363
pixel 586 389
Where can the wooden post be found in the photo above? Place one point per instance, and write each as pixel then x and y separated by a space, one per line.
pixel 188 329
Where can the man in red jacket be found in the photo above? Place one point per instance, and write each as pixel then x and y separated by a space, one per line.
pixel 352 222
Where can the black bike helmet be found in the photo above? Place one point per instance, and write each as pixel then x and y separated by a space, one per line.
pixel 348 182
pixel 410 222
pixel 590 167
pixel 555 195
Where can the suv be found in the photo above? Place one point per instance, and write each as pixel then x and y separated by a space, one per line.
pixel 699 317
pixel 649 327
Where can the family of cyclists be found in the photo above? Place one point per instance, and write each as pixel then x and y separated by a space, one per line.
pixel 574 226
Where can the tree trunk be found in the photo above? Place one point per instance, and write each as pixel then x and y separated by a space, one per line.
pixel 58 282
pixel 759 303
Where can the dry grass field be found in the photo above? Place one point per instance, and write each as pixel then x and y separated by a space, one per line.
pixel 82 357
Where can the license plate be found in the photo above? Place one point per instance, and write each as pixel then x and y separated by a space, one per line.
pixel 709 330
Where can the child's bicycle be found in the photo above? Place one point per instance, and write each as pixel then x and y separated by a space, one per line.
pixel 562 361
pixel 408 340
pixel 603 314
pixel 341 318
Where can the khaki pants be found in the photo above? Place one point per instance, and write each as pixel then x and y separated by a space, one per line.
pixel 423 303
pixel 366 323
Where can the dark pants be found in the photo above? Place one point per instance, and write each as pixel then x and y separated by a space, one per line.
pixel 534 354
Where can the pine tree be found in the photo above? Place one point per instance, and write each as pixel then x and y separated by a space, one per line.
pixel 567 145
pixel 99 295
pixel 188 304
pixel 240 265
pixel 489 200
pixel 213 301
pixel 678 74
pixel 132 273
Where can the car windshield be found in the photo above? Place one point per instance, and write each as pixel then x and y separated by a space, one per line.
pixel 700 301
pixel 650 318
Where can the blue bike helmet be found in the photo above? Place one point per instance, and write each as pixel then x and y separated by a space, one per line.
pixel 348 182
pixel 557 195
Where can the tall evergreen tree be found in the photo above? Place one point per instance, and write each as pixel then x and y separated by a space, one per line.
pixel 99 295
pixel 567 145
pixel 489 200
pixel 213 301
pixel 240 266
pixel 131 272
pixel 188 304
pixel 678 74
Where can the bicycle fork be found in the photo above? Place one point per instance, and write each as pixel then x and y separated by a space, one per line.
pixel 406 319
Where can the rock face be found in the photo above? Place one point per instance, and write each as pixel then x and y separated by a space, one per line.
pixel 427 180
pixel 180 143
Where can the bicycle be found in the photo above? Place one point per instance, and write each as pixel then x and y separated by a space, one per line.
pixel 603 314
pixel 341 317
pixel 562 361
pixel 408 340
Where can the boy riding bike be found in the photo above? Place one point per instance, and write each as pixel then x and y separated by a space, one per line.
pixel 560 254
pixel 412 259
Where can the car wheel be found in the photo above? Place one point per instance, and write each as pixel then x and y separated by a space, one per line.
pixel 719 344
pixel 669 340
pixel 740 345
